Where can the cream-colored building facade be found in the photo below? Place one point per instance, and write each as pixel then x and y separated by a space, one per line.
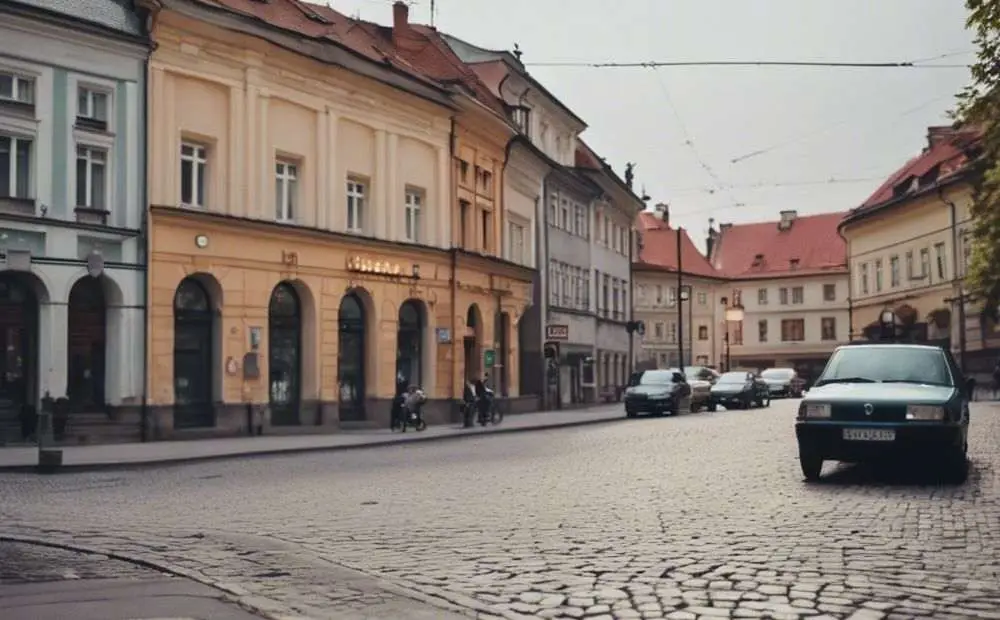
pixel 664 314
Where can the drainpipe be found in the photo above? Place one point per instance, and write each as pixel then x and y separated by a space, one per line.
pixel 631 302
pixel 145 241
pixel 454 259
pixel 542 253
pixel 953 209
pixel 850 283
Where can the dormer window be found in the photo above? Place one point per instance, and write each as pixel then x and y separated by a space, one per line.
pixel 522 118
pixel 758 260
pixel 793 264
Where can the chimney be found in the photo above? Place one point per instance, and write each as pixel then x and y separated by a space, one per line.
pixel 937 135
pixel 724 227
pixel 787 217
pixel 662 211
pixel 400 20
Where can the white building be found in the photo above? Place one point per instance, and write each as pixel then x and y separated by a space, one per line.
pixel 71 212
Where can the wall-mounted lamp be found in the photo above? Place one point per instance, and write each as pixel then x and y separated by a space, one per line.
pixel 201 241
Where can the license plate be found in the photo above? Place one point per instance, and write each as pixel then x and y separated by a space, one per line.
pixel 869 434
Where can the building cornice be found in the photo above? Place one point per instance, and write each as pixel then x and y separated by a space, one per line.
pixel 859 215
pixel 37 21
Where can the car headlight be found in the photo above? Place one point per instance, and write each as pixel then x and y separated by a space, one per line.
pixel 815 410
pixel 924 412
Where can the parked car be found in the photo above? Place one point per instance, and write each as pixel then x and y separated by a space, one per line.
pixel 739 389
pixel 701 379
pixel 874 401
pixel 655 391
pixel 783 382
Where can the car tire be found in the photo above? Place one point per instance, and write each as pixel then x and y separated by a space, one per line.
pixel 747 403
pixel 812 465
pixel 712 407
pixel 629 414
pixel 957 466
pixel 765 401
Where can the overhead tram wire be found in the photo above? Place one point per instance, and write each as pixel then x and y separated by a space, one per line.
pixel 655 64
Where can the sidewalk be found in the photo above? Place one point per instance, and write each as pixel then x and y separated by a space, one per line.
pixel 117 456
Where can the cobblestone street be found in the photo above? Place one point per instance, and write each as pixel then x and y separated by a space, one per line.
pixel 701 515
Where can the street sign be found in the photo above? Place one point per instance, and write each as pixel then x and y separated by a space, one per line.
pixel 489 358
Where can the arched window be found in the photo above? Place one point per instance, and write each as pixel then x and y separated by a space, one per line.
pixel 284 320
pixel 86 345
pixel 351 358
pixel 409 344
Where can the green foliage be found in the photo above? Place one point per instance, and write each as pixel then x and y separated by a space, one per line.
pixel 979 106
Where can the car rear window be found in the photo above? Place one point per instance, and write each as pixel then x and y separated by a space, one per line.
pixel 888 363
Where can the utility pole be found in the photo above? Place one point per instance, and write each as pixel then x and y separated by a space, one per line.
pixel 680 301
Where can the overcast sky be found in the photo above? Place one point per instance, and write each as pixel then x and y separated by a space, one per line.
pixel 684 126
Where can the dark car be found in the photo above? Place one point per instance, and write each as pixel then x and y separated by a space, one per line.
pixel 655 391
pixel 878 401
pixel 783 382
pixel 739 389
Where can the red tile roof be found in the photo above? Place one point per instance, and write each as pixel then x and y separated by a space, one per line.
pixel 762 250
pixel 946 155
pixel 659 248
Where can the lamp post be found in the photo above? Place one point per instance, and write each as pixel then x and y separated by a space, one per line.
pixel 734 314
pixel 887 323
pixel 683 294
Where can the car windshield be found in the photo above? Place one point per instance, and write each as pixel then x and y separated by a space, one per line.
pixel 656 377
pixel 869 364
pixel 777 373
pixel 733 377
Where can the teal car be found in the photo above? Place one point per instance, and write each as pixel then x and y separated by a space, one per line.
pixel 886 401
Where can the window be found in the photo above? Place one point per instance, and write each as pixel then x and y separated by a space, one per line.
pixel 671 296
pixel 658 330
pixel 605 291
pixel 798 295
pixel 893 271
pixel 463 224
pixel 793 264
pixel 703 332
pixel 829 328
pixel 486 217
pixel 578 220
pixel 92 107
pixel 194 173
pixel 925 263
pixel 564 219
pixel 487 182
pixel 829 292
pixel 878 275
pixel 463 170
pixel 702 298
pixel 762 330
pixel 17 88
pixel 966 252
pixel 783 296
pixel 91 178
pixel 762 296
pixel 616 297
pixel 864 278
pixel 909 265
pixel 942 269
pixel 355 206
pixel 553 204
pixel 672 332
pixel 793 330
pixel 659 294
pixel 515 242
pixel 15 167
pixel 411 220
pixel 285 190
pixel 737 337
pixel 522 118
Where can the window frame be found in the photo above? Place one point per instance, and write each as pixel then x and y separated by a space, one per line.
pixel 832 289
pixel 823 323
pixel 413 203
pixel 199 172
pixel 355 192
pixel 12 167
pixel 787 333
pixel 19 77
pixel 88 188
pixel 286 176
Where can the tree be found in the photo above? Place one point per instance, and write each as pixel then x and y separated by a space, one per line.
pixel 979 106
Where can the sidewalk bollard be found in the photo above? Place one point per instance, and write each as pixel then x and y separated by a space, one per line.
pixel 49 459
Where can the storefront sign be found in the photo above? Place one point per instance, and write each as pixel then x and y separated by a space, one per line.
pixel 376 267
pixel 557 332
pixel 489 358
pixel 443 335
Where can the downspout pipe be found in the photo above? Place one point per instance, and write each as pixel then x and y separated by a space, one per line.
pixel 953 213
pixel 542 233
pixel 452 137
pixel 850 282
pixel 145 239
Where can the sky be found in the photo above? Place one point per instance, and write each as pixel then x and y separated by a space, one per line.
pixel 791 130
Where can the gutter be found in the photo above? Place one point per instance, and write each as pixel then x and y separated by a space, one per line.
pixel 452 137
pixel 953 213
pixel 146 242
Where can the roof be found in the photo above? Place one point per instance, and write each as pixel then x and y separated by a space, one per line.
pixel 659 248
pixel 947 155
pixel 587 160
pixel 321 22
pixel 763 250
pixel 423 49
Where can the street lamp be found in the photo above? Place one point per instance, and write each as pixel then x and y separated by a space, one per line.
pixel 734 314
pixel 887 320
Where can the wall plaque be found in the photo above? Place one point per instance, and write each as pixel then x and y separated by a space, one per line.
pixel 557 332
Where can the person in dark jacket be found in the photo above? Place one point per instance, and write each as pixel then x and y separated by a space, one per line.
pixel 397 416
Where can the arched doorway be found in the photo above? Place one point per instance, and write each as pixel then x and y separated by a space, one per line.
pixel 409 344
pixel 194 342
pixel 86 345
pixel 284 320
pixel 18 357
pixel 351 358
pixel 471 344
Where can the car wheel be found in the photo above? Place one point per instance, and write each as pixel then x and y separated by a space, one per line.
pixel 765 401
pixel 956 466
pixel 747 403
pixel 712 407
pixel 812 465
pixel 629 414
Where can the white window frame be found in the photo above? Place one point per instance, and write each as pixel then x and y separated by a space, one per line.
pixel 354 214
pixel 11 191
pixel 92 92
pixel 413 202
pixel 88 155
pixel 516 243
pixel 18 78
pixel 198 159
pixel 286 180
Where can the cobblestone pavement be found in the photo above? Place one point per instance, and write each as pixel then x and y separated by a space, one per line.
pixel 702 515
pixel 22 564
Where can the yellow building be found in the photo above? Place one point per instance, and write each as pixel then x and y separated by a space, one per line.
pixel 908 250
pixel 301 231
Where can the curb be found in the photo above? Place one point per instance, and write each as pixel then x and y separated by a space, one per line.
pixel 234 595
pixel 89 467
